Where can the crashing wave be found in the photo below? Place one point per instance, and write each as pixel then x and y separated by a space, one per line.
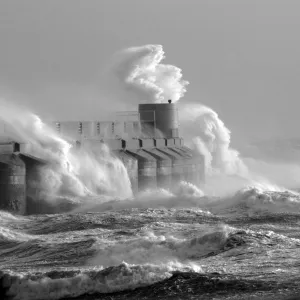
pixel 58 284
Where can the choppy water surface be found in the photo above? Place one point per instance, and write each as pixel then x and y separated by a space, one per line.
pixel 243 247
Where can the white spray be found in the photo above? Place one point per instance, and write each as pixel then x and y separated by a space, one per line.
pixel 209 135
pixel 70 173
pixel 137 75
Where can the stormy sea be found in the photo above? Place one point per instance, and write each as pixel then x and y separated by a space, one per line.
pixel 234 236
pixel 187 247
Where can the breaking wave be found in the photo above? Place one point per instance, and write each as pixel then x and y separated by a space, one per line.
pixel 252 199
pixel 59 284
pixel 70 174
pixel 137 261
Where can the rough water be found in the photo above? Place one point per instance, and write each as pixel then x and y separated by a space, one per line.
pixel 236 238
pixel 186 246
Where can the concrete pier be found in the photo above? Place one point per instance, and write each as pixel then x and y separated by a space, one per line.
pixel 150 148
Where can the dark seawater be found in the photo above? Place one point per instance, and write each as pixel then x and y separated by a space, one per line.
pixel 243 247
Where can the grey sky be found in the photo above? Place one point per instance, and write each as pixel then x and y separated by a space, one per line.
pixel 242 57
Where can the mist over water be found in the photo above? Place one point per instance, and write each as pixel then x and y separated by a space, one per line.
pixel 114 240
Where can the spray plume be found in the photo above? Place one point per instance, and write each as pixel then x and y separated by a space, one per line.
pixel 209 136
pixel 137 75
pixel 70 173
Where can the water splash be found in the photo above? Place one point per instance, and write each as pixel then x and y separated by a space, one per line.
pixel 137 75
pixel 208 134
pixel 70 172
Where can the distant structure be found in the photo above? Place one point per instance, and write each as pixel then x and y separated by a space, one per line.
pixel 147 141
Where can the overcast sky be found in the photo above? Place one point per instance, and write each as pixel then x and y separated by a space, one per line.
pixel 242 57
